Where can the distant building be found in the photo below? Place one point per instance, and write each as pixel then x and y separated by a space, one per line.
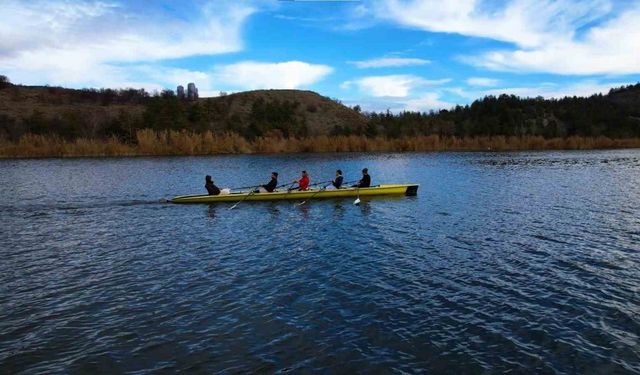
pixel 192 91
pixel 180 92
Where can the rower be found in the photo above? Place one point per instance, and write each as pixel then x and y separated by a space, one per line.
pixel 211 188
pixel 303 183
pixel 271 186
pixel 365 181
pixel 337 182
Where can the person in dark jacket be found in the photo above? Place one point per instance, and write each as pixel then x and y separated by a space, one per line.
pixel 365 181
pixel 271 186
pixel 337 182
pixel 211 188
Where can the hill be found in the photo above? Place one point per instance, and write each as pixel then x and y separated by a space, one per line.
pixel 106 113
pixel 91 113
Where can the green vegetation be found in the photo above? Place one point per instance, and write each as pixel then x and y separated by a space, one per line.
pixel 119 117
pixel 616 115
pixel 4 82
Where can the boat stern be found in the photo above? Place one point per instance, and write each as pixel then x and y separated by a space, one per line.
pixel 412 190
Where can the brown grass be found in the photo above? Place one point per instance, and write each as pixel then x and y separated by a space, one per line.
pixel 150 142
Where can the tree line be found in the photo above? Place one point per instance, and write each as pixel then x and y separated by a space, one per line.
pixel 615 115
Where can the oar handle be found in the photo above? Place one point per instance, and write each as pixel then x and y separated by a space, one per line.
pixel 279 186
pixel 283 185
pixel 320 183
pixel 243 187
pixel 255 187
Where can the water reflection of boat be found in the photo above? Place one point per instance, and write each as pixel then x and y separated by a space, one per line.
pixel 380 190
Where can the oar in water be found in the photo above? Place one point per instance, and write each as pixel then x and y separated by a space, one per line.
pixel 357 201
pixel 325 188
pixel 314 194
pixel 253 191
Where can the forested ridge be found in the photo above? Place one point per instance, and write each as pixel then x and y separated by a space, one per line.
pixel 104 113
pixel 615 115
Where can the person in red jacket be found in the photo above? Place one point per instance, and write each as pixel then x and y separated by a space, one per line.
pixel 303 183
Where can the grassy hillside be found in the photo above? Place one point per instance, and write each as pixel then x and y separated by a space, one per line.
pixel 319 114
pixel 103 113
pixel 53 121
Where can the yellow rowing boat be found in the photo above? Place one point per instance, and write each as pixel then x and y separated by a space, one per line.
pixel 399 189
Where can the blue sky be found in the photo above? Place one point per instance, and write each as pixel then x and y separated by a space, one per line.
pixel 384 54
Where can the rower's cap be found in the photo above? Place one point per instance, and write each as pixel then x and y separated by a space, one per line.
pixel 275 173
pixel 365 170
pixel 339 171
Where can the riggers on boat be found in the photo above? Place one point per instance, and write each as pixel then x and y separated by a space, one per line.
pixel 401 189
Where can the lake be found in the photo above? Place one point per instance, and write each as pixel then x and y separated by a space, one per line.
pixel 524 262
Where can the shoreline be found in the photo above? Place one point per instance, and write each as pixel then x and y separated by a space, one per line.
pixel 182 143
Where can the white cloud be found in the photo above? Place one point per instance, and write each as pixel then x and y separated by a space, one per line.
pixel 548 90
pixel 423 103
pixel 611 48
pixel 463 92
pixel 482 81
pixel 393 85
pixel 98 43
pixel 101 44
pixel 248 75
pixel 440 98
pixel 427 102
pixel 526 23
pixel 554 36
pixel 260 75
pixel 398 92
pixel 397 85
pixel 389 62
pixel 551 90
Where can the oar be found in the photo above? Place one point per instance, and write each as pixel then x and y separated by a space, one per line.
pixel 311 197
pixel 290 186
pixel 253 190
pixel 320 183
pixel 357 201
pixel 317 183
pixel 252 187
pixel 241 188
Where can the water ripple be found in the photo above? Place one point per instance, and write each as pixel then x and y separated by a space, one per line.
pixel 512 262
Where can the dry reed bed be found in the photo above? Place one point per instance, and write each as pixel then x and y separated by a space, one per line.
pixel 150 142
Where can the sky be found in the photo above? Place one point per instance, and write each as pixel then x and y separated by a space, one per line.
pixel 380 54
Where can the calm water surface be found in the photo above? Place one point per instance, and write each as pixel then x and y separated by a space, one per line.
pixel 504 262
